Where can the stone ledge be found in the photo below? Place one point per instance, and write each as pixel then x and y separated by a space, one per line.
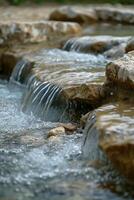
pixel 121 71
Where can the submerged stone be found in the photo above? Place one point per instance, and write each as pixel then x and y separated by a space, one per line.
pixel 113 127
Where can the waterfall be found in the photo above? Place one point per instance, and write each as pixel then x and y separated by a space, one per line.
pixel 43 99
pixel 90 147
pixel 20 72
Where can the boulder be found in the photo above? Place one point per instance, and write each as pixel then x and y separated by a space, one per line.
pixel 82 15
pixel 112 126
pixel 121 71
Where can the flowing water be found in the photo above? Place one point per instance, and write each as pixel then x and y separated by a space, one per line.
pixel 33 166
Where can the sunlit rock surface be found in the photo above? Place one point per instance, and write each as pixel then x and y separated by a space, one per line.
pixel 114 128
pixel 35 31
pixel 121 71
pixel 81 15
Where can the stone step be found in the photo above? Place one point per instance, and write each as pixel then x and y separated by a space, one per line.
pixel 121 72
pixel 113 127
pixel 93 14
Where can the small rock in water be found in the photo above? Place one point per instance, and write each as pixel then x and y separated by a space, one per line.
pixel 69 127
pixel 56 131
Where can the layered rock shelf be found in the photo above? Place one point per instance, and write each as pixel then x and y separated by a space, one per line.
pixel 114 126
pixel 94 14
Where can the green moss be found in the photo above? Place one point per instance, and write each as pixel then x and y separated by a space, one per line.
pixel 17 2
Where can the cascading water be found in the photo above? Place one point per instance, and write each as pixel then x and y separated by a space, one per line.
pixel 45 98
pixel 33 165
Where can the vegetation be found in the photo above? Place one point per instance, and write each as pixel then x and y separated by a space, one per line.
pixel 17 2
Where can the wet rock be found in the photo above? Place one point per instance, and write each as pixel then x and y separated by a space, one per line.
pixel 121 71
pixel 120 14
pixel 130 45
pixel 83 119
pixel 76 14
pixel 34 32
pixel 115 52
pixel 92 94
pixel 56 131
pixel 77 81
pixel 113 128
pixel 69 127
pixel 97 44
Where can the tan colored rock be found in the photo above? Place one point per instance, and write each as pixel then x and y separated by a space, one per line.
pixel 112 126
pixel 34 32
pixel 56 131
pixel 130 45
pixel 78 81
pixel 121 71
pixel 81 15
pixel 69 127
pixel 91 94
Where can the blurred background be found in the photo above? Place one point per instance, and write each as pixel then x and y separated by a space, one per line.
pixel 18 2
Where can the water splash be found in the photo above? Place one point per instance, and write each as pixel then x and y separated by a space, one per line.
pixel 44 99
pixel 90 147
pixel 57 69
pixel 20 72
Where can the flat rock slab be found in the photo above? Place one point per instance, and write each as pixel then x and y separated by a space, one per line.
pixel 68 68
pixel 34 32
pixel 74 13
pixel 121 71
pixel 112 126
pixel 121 14
pixel 92 14
pixel 79 75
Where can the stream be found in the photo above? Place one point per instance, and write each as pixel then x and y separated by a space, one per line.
pixel 35 167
